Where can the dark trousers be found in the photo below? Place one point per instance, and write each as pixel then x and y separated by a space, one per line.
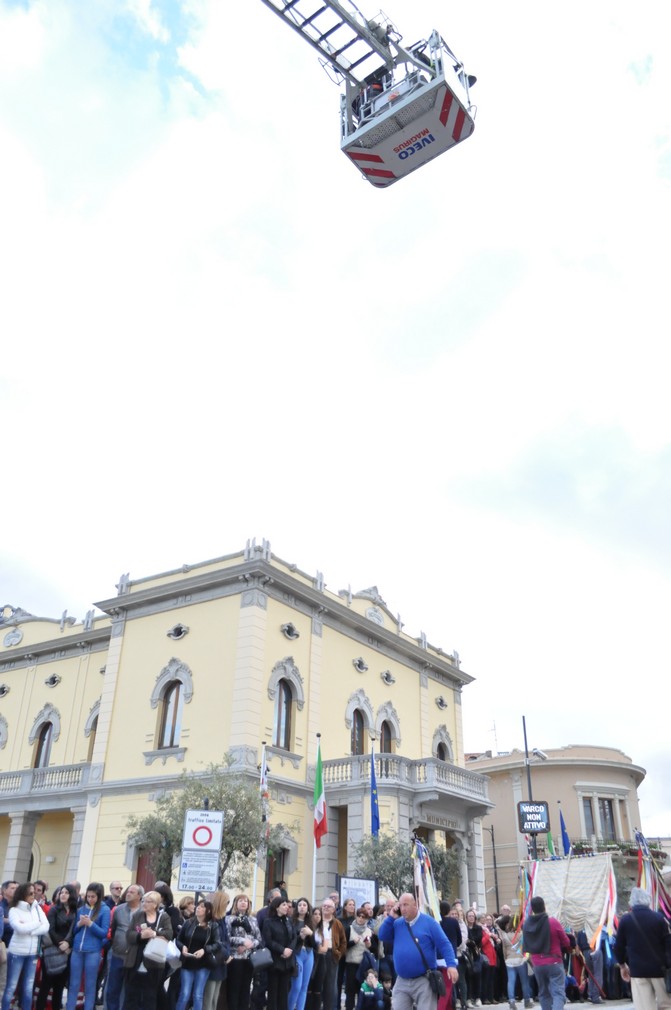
pixel 278 989
pixel 238 984
pixel 141 988
pixel 55 983
pixel 330 990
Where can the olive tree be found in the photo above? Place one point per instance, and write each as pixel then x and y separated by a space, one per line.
pixel 388 859
pixel 246 837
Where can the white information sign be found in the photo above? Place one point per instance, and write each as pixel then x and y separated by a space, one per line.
pixel 201 846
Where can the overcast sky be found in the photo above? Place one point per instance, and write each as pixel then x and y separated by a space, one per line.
pixel 455 389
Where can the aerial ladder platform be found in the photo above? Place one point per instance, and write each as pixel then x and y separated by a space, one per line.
pixel 400 107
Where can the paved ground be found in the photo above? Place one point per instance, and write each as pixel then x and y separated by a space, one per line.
pixel 609 1004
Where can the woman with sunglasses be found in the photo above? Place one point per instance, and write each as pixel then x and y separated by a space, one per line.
pixel 358 944
pixel 29 923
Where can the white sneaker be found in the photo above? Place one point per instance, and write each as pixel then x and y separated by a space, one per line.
pixel 478 1002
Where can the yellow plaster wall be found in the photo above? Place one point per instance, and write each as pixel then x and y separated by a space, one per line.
pixel 73 697
pixel 209 652
pixel 4 838
pixel 52 838
pixel 112 833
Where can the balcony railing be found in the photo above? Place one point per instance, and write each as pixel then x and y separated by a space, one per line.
pixel 425 773
pixel 60 778
pixel 592 846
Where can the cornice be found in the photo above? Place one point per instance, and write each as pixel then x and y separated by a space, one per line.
pixel 55 649
pixel 515 764
pixel 283 588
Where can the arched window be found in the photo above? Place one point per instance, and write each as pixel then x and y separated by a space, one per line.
pixel 357 731
pixel 43 746
pixel 386 739
pixel 441 747
pixel 172 706
pixel 284 701
pixel 92 738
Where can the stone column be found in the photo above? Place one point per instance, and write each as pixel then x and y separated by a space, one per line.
pixel 20 845
pixel 598 826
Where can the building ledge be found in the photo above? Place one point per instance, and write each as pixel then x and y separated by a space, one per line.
pixel 163 753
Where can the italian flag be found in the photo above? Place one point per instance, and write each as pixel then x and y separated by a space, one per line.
pixel 320 826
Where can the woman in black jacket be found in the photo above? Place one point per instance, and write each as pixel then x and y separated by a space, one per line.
pixel 279 935
pixel 61 917
pixel 474 944
pixel 199 944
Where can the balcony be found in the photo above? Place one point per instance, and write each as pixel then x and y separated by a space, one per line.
pixel 626 848
pixel 44 781
pixel 424 777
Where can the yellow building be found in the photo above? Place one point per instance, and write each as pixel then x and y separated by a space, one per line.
pixel 97 717
pixel 595 788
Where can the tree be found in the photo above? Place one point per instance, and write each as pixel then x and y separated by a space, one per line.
pixel 246 834
pixel 388 859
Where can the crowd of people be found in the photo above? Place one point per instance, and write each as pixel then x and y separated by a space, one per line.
pixel 133 949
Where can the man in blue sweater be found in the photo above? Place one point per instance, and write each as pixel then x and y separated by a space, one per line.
pixel 643 950
pixel 409 927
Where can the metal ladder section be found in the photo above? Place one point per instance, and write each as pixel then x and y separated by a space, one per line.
pixel 339 32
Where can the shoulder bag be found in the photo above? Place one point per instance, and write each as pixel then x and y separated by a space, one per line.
pixel 434 975
pixel 54 959
pixel 260 959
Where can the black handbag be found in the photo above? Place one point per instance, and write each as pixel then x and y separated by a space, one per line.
pixel 54 959
pixel 434 975
pixel 261 959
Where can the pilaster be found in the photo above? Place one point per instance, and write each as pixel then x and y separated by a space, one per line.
pixel 74 871
pixel 249 674
pixel 19 846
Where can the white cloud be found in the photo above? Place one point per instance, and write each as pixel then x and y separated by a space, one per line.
pixel 218 330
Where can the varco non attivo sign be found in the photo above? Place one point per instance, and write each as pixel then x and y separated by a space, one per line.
pixel 534 817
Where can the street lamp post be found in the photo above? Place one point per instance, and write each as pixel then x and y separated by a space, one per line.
pixel 534 849
pixel 496 872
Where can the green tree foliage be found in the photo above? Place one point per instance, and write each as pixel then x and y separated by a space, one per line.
pixel 388 859
pixel 245 836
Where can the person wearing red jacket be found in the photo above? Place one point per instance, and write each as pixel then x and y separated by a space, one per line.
pixel 545 939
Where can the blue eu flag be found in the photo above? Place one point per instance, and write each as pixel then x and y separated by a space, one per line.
pixel 374 807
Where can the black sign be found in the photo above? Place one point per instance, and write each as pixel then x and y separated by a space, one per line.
pixel 534 817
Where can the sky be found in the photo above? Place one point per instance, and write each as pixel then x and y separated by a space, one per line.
pixel 454 389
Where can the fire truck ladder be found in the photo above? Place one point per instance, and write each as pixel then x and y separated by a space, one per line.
pixel 340 33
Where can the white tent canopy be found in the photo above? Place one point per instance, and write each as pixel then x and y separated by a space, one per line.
pixel 575 890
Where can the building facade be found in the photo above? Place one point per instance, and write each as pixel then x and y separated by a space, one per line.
pixel 99 717
pixel 595 788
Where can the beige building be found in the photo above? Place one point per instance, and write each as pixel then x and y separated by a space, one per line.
pixel 96 717
pixel 595 787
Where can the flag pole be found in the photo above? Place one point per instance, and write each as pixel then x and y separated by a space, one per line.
pixel 263 790
pixel 314 837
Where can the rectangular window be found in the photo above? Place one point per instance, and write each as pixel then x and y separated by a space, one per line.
pixel 589 816
pixel 607 819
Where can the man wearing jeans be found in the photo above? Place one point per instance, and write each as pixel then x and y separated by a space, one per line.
pixel 545 939
pixel 117 955
pixel 412 931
